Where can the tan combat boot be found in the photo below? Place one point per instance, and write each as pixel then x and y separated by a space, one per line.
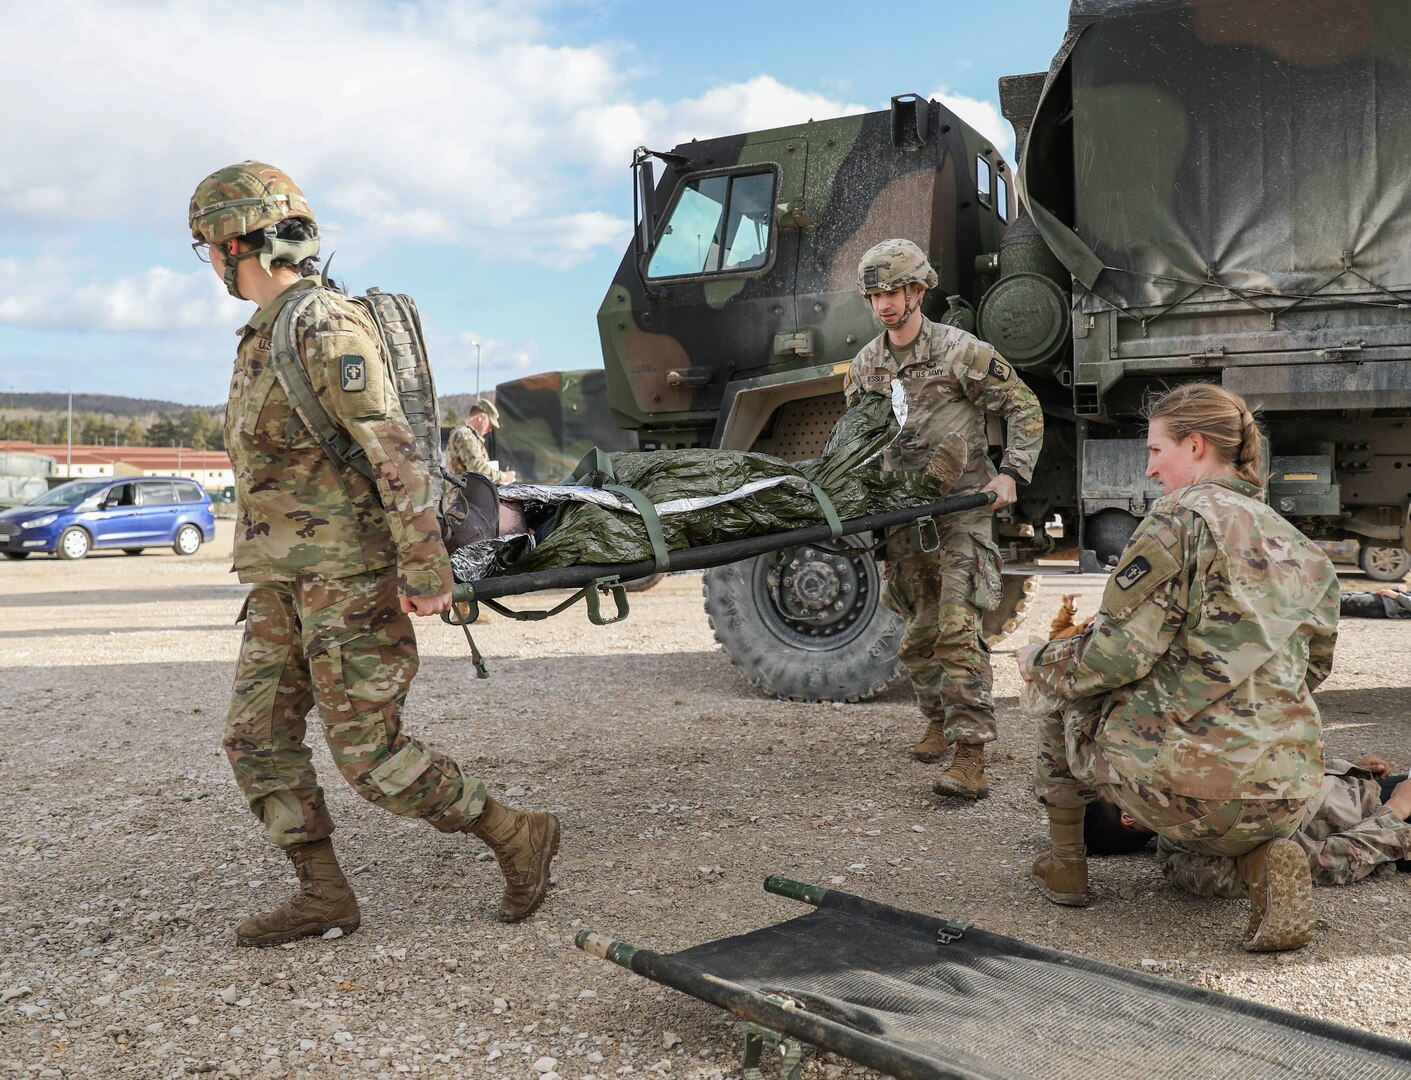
pixel 948 461
pixel 1061 873
pixel 933 744
pixel 1280 885
pixel 324 901
pixel 524 844
pixel 965 777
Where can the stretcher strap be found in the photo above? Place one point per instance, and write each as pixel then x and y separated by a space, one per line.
pixel 650 521
pixel 830 512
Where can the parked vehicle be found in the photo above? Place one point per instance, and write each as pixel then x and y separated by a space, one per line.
pixel 1379 562
pixel 1213 192
pixel 128 513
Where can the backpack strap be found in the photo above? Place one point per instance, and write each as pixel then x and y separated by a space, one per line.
pixel 289 369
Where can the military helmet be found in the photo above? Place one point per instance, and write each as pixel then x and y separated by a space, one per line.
pixel 244 198
pixel 892 264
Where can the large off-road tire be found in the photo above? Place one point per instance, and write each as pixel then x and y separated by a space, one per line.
pixel 1015 599
pixel 813 629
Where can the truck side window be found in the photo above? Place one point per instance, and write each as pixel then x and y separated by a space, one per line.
pixel 1001 197
pixel 982 179
pixel 718 224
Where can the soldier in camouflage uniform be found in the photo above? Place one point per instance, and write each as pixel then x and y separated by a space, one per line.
pixel 1192 688
pixel 336 563
pixel 466 453
pixel 953 381
pixel 1356 823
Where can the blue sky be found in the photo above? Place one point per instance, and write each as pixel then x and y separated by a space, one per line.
pixel 473 154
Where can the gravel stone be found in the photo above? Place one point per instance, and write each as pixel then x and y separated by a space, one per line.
pixel 129 854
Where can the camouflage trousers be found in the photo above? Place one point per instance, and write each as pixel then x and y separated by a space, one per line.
pixel 343 646
pixel 940 595
pixel 1067 774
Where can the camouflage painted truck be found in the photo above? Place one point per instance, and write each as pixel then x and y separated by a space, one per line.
pixel 1213 190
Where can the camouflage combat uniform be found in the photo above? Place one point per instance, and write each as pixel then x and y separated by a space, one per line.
pixel 1192 689
pixel 328 552
pixel 1348 832
pixel 466 453
pixel 952 382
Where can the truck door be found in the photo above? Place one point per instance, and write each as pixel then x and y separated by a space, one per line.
pixel 720 280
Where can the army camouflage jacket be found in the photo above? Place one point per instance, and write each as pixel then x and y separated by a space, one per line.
pixel 952 380
pixel 298 514
pixel 466 453
pixel 1213 632
pixel 1347 832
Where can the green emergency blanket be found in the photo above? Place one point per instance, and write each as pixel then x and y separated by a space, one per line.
pixel 701 497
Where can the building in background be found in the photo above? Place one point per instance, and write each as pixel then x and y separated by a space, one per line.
pixel 209 468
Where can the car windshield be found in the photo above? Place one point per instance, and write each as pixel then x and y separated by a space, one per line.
pixel 70 494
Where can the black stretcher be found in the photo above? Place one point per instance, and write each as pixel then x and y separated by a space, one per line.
pixel 915 996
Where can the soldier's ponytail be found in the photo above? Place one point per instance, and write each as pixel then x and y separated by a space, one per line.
pixel 1221 417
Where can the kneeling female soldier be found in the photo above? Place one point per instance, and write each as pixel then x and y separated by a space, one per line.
pixel 1191 693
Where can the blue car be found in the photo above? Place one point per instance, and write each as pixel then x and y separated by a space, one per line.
pixel 130 514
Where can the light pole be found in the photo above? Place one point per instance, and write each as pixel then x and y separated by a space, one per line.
pixel 477 369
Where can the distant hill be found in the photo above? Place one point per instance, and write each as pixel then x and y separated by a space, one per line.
pixel 15 404
pixel 150 409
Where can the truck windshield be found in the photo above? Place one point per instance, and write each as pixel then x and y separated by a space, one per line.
pixel 718 225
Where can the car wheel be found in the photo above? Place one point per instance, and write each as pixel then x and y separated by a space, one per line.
pixel 188 540
pixel 73 543
pixel 132 551
pixel 17 554
pixel 1383 563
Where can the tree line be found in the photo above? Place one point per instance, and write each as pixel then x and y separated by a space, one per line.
pixel 194 430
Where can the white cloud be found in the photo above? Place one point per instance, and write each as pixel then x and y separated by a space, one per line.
pixel 42 293
pixel 983 116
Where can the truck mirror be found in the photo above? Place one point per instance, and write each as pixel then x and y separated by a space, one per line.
pixel 643 196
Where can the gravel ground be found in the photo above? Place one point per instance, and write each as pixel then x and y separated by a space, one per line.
pixel 128 853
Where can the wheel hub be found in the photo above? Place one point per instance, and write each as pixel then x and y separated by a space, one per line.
pixel 821 593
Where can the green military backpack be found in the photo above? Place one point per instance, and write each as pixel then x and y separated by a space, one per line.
pixel 399 328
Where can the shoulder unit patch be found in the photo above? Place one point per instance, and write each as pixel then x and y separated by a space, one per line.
pixel 1132 573
pixel 999 369
pixel 352 373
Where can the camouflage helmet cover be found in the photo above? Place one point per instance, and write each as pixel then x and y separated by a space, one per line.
pixel 488 408
pixel 244 198
pixel 892 264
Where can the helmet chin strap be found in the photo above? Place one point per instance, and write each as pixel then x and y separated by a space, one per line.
pixel 294 251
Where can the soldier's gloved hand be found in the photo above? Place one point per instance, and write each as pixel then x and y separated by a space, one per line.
pixel 1005 489
pixel 425 605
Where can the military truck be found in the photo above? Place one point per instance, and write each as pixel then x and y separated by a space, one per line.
pixel 1212 191
pixel 549 421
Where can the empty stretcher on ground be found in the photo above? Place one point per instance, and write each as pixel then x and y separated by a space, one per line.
pixel 915 996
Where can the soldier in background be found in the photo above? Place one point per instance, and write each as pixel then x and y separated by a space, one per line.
pixel 952 382
pixel 466 453
pixel 336 563
pixel 1190 693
